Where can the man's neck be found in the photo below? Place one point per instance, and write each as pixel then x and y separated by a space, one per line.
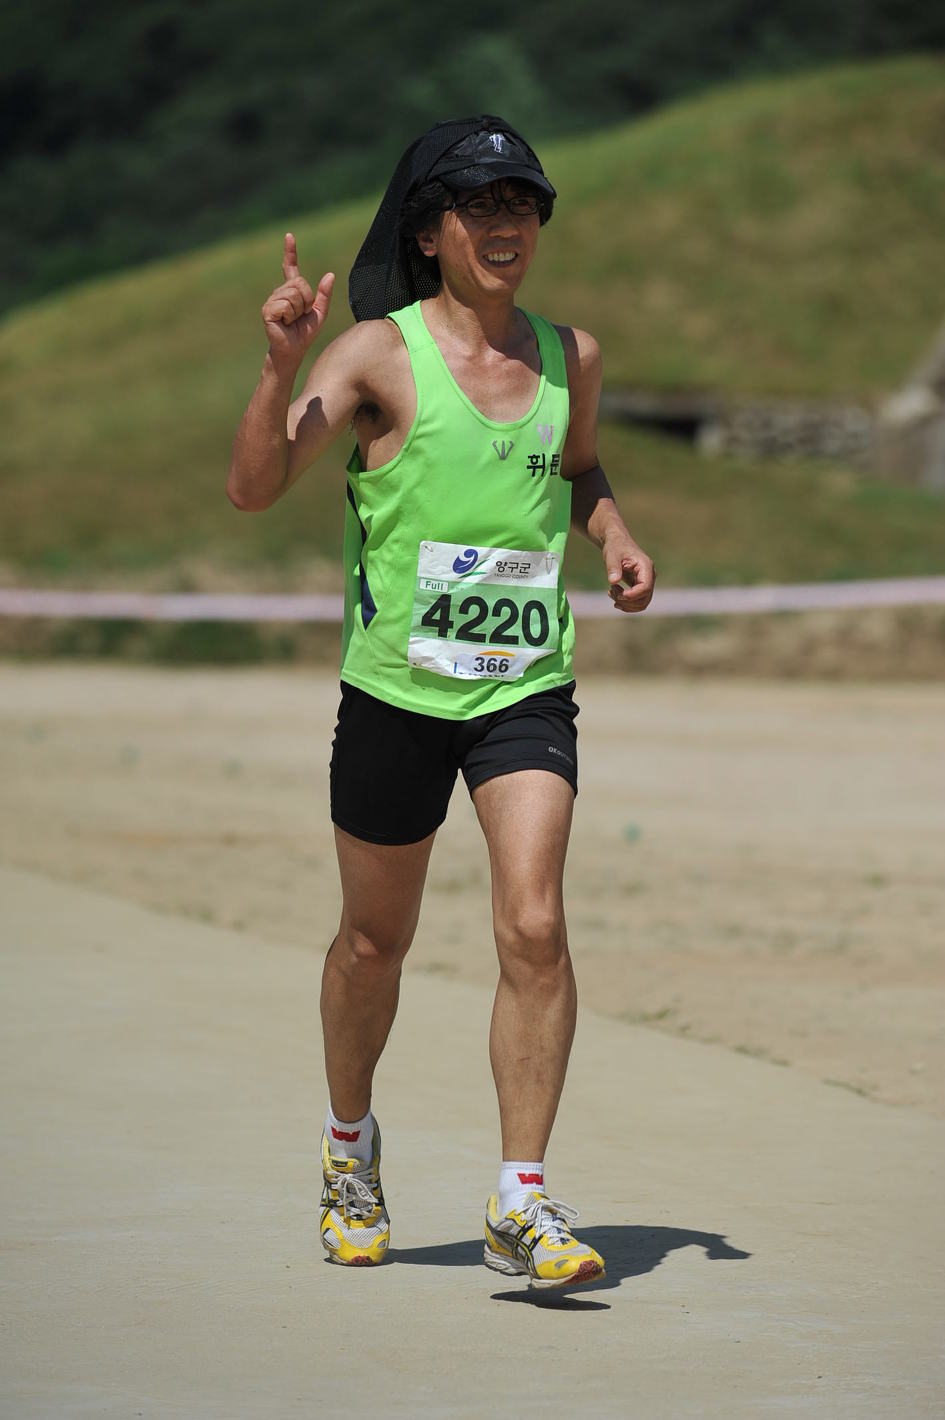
pixel 487 325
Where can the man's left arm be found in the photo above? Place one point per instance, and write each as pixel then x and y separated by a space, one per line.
pixel 630 572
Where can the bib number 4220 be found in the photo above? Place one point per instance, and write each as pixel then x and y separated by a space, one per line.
pixel 510 625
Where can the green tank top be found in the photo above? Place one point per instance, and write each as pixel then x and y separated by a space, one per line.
pixel 454 597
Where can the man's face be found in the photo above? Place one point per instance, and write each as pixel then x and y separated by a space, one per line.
pixel 489 252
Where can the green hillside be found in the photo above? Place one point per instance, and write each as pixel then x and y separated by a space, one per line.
pixel 780 236
pixel 133 132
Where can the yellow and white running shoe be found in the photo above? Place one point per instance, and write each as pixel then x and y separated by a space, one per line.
pixel 354 1224
pixel 536 1242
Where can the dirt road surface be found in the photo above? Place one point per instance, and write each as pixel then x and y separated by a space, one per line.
pixel 755 864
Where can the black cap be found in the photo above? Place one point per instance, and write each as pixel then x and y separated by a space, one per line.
pixel 488 156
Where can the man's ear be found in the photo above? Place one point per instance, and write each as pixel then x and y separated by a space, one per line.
pixel 427 241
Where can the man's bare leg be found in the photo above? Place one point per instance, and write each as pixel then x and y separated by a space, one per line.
pixel 382 886
pixel 526 818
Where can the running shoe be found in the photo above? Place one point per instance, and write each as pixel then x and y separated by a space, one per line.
pixel 354 1224
pixel 536 1242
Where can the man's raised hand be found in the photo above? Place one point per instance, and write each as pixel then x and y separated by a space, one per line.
pixel 294 313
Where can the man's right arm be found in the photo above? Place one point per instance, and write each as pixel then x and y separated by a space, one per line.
pixel 278 438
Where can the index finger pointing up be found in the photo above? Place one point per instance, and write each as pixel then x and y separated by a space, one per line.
pixel 290 258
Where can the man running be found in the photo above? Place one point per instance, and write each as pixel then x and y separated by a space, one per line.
pixel 476 432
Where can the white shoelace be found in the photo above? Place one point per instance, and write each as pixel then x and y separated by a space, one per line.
pixel 549 1215
pixel 355 1198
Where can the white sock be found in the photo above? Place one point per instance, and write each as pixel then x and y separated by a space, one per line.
pixel 517 1179
pixel 350 1141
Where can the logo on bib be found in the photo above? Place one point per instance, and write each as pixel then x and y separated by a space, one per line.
pixel 466 561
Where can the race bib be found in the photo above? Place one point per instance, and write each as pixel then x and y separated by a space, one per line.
pixel 483 612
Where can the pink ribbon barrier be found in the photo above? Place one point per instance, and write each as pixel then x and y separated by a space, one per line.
pixel 313 607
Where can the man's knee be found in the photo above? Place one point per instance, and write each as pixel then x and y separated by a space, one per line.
pixel 370 949
pixel 531 937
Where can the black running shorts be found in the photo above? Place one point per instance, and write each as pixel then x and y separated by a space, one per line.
pixel 393 770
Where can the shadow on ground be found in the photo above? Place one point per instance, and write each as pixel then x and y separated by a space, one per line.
pixel 629 1250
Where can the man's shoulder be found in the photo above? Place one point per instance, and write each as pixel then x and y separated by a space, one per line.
pixel 581 342
pixel 372 356
pixel 581 354
pixel 369 339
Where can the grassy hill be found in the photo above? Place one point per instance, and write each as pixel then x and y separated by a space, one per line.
pixel 780 237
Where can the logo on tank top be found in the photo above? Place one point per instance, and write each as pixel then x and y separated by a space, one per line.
pixel 465 562
pixel 546 433
pixel 503 449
